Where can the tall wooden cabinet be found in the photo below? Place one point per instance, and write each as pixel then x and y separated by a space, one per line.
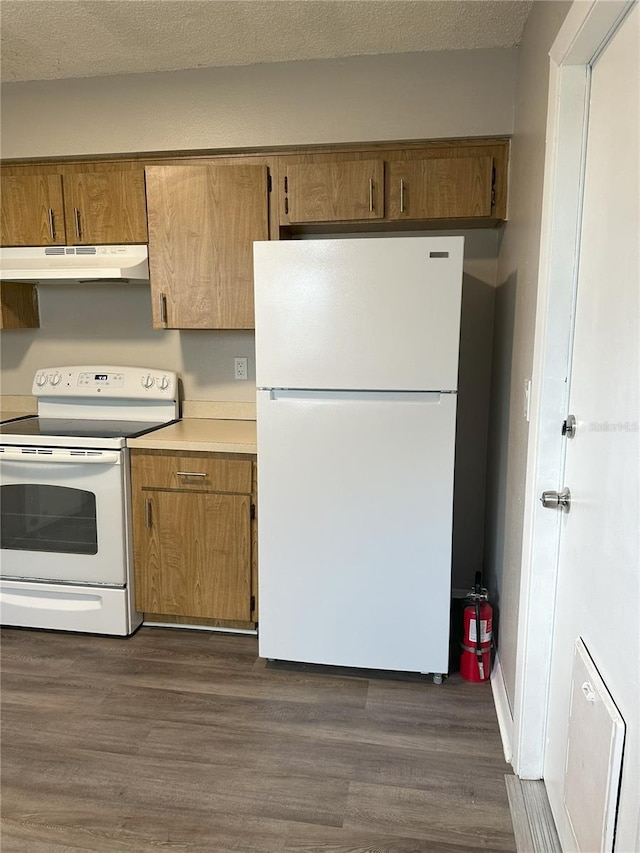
pixel 202 223
pixel 193 535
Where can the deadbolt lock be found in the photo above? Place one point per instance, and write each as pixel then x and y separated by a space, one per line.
pixel 569 427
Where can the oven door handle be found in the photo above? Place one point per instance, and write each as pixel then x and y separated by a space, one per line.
pixel 108 457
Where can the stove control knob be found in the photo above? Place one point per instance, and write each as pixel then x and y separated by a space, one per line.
pixel 163 383
pixel 41 379
pixel 147 381
pixel 55 379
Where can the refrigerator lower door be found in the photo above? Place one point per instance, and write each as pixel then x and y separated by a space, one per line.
pixel 355 493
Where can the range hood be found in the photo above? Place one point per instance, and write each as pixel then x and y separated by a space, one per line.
pixel 75 263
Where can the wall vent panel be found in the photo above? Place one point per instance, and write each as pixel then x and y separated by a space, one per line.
pixel 594 757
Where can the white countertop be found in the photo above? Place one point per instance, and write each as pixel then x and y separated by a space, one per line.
pixel 203 434
pixel 10 416
pixel 17 406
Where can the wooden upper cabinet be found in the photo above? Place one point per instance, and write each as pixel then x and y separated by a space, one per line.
pixel 106 206
pixel 74 208
pixel 441 188
pixel 202 223
pixel 340 191
pixel 32 210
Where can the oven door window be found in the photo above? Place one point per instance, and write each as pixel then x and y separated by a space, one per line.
pixel 56 519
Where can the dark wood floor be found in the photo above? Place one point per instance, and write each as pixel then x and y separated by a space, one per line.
pixel 187 741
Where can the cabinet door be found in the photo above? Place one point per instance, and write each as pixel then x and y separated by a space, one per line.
pixel 202 224
pixel 105 207
pixel 333 192
pixel 18 305
pixel 32 210
pixel 192 554
pixel 440 188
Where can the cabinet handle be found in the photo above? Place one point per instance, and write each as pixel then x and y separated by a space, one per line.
pixel 76 217
pixel 192 473
pixel 147 512
pixel 370 195
pixel 401 195
pixel 163 309
pixel 52 230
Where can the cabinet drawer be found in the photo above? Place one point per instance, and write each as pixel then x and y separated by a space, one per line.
pixel 191 473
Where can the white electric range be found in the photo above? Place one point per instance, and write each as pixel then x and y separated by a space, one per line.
pixel 65 526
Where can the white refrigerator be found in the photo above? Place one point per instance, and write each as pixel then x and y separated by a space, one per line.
pixel 357 366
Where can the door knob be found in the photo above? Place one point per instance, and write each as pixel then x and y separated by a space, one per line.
pixel 569 427
pixel 556 500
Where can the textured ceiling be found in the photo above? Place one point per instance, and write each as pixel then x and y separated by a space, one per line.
pixel 52 39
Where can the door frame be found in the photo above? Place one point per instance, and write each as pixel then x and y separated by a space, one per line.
pixel 586 29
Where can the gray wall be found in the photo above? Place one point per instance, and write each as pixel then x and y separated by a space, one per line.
pixel 366 98
pixel 514 329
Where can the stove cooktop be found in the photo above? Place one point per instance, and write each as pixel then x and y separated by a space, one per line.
pixel 69 432
pixel 73 427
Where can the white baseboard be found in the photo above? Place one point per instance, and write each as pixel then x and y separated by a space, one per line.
pixel 503 709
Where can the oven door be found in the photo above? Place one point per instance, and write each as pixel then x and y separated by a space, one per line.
pixel 63 515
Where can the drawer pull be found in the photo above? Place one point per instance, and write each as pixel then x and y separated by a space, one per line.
pixel 192 473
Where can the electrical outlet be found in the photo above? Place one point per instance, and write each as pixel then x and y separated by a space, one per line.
pixel 240 368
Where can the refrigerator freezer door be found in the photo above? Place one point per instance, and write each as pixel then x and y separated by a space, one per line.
pixel 355 495
pixel 369 314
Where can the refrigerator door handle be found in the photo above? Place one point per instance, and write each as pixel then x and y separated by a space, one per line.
pixel 421 397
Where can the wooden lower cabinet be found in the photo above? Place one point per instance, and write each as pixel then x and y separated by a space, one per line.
pixel 193 536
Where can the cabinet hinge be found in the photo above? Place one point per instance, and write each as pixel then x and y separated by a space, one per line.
pixel 269 183
pixel 252 512
pixel 253 603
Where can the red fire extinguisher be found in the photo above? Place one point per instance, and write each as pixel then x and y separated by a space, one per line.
pixel 475 660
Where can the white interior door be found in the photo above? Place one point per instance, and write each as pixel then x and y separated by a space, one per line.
pixel 598 580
